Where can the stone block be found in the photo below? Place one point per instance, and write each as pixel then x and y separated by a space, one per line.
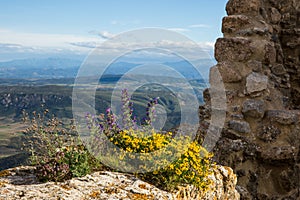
pixel 254 108
pixel 243 7
pixel 233 49
pixel 234 23
pixel 239 126
pixel 228 72
pixel 278 69
pixel 256 82
pixel 283 117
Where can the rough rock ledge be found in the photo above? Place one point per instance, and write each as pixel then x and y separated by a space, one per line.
pixel 21 183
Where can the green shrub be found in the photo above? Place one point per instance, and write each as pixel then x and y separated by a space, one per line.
pixel 55 149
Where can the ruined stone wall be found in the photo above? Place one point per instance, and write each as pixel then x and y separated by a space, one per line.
pixel 259 61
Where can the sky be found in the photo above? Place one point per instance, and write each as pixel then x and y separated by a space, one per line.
pixel 35 28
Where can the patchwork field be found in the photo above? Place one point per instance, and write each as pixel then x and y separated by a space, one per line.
pixel 10 133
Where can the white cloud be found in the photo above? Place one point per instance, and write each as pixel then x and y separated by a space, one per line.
pixel 90 45
pixel 199 26
pixel 11 42
pixel 207 45
pixel 103 34
pixel 179 29
pixel 192 49
pixel 43 40
pixel 9 47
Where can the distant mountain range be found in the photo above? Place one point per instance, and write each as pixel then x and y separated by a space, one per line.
pixel 48 68
pixel 40 68
pixel 41 62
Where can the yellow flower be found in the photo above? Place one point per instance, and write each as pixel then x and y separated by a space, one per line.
pixel 171 166
pixel 178 172
pixel 128 149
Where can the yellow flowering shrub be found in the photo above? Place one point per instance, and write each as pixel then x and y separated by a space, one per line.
pixel 162 158
pixel 135 141
pixel 191 167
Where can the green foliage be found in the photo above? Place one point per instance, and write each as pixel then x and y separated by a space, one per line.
pixel 55 149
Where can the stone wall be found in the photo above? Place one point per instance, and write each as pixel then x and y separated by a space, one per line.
pixel 259 61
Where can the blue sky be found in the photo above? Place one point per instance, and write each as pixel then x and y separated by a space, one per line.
pixel 32 27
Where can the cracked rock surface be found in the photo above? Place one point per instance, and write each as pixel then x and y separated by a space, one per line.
pixel 21 183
